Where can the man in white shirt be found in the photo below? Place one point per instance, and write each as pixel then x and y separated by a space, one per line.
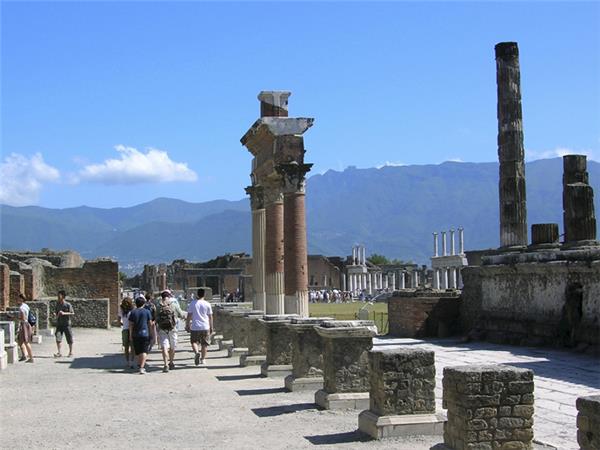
pixel 199 323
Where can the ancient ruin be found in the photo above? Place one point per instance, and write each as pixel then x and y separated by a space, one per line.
pixel 277 192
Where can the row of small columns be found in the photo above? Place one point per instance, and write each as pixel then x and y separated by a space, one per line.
pixel 379 280
pixel 447 278
pixel 461 245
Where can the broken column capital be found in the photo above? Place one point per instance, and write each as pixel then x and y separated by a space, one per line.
pixel 294 176
pixel 274 103
pixel 257 196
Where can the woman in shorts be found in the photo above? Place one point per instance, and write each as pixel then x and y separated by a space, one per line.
pixel 25 331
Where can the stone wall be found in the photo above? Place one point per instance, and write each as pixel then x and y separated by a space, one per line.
pixel 17 286
pixel 488 407
pixel 96 279
pixel 4 286
pixel 555 303
pixel 89 313
pixel 588 422
pixel 421 314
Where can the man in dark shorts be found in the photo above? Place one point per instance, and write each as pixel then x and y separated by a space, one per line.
pixel 199 323
pixel 63 311
pixel 140 324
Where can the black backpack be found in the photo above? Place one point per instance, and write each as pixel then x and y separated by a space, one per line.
pixel 31 318
pixel 166 318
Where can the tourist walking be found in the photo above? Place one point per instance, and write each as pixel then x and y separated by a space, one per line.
pixel 25 331
pixel 140 324
pixel 63 311
pixel 167 313
pixel 151 306
pixel 199 324
pixel 124 311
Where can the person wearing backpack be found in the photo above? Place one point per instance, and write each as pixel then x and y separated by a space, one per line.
pixel 167 312
pixel 25 330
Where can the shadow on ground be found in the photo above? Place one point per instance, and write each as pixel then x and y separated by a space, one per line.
pixel 338 438
pixel 236 377
pixel 243 392
pixel 271 411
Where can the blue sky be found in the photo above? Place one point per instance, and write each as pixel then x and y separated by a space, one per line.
pixel 113 104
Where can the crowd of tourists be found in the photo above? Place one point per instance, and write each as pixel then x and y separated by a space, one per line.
pixel 148 322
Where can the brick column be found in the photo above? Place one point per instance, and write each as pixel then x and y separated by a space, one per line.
pixel 4 286
pixel 258 246
pixel 488 406
pixel 274 277
pixel 511 152
pixel 294 238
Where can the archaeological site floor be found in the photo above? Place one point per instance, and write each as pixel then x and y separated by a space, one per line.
pixel 92 401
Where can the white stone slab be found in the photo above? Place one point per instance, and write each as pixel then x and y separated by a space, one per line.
pixel 237 351
pixel 3 360
pixel 294 384
pixel 380 427
pixel 342 400
pixel 275 371
pixel 12 353
pixel 254 360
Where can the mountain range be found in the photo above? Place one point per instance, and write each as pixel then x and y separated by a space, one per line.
pixel 392 210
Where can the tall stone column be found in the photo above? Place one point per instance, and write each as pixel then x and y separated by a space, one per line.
pixel 435 244
pixel 295 246
pixel 444 253
pixel 461 241
pixel 258 246
pixel 274 265
pixel 578 201
pixel 511 151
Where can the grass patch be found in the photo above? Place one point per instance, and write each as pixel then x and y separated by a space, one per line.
pixel 349 311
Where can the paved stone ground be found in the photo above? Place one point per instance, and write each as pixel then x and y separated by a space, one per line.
pixel 91 401
pixel 560 377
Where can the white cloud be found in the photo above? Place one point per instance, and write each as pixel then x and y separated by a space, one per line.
pixel 135 167
pixel 21 178
pixel 457 160
pixel 558 152
pixel 390 164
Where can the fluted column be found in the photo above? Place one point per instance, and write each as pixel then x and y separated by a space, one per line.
pixel 511 150
pixel 578 201
pixel 294 238
pixel 258 246
pixel 274 265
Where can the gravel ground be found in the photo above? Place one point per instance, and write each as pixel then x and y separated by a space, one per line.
pixel 92 401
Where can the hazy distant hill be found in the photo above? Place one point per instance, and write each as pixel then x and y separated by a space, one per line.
pixel 393 210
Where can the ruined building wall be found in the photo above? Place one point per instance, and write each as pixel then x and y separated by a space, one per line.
pixel 96 279
pixel 552 303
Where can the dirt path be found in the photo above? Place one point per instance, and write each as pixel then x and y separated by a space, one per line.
pixel 92 401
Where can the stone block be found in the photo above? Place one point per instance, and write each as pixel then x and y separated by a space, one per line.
pixel 237 351
pixel 36 339
pixel 294 384
pixel 9 331
pixel 588 422
pixel 342 400
pixel 257 336
pixel 380 427
pixel 493 414
pixel 12 353
pixel 307 354
pixel 3 360
pixel 225 344
pixel 216 338
pixel 241 327
pixel 346 357
pixel 1 341
pixel 279 345
pixel 252 360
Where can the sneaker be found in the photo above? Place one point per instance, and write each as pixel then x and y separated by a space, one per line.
pixel 202 362
pixel 58 355
pixel 197 359
pixel 165 368
pixel 30 360
pixel 142 371
pixel 22 358
pixel 171 365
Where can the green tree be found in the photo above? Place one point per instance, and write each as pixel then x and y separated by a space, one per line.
pixel 378 259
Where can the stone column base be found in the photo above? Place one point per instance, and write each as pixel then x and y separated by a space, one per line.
pixel 36 339
pixel 215 338
pixel 380 427
pixel 293 384
pixel 275 371
pixel 342 400
pixel 225 344
pixel 252 360
pixel 3 361
pixel 237 351
pixel 12 353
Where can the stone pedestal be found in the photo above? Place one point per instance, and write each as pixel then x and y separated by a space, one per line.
pixel 241 330
pixel 488 407
pixel 3 355
pixel 257 343
pixel 588 422
pixel 278 363
pixel 307 355
pixel 10 344
pixel 226 325
pixel 402 397
pixel 578 203
pixel 346 347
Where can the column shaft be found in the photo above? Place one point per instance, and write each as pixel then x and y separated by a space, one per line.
pixel 258 259
pixel 274 278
